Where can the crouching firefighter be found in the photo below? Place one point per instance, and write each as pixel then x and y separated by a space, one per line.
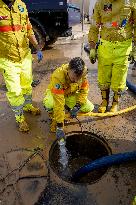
pixel 115 22
pixel 68 88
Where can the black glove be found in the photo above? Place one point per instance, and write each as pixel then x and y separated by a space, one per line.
pixel 75 110
pixel 60 133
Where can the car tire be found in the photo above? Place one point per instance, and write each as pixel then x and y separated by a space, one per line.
pixel 51 41
pixel 41 39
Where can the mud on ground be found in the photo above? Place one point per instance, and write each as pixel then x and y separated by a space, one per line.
pixel 24 173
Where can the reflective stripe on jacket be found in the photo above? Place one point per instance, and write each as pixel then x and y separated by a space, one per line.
pixel 115 19
pixel 15 28
pixel 61 86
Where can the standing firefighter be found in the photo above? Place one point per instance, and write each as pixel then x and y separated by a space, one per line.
pixel 116 22
pixel 15 58
pixel 134 201
pixel 68 87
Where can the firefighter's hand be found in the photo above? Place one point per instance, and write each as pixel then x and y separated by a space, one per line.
pixel 39 55
pixel 92 56
pixel 60 133
pixel 75 110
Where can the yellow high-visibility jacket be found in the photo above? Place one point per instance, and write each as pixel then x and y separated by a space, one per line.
pixel 115 19
pixel 15 28
pixel 61 86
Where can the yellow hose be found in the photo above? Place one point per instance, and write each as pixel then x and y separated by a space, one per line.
pixel 107 114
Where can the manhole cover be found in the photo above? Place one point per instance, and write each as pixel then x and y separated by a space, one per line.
pixel 82 148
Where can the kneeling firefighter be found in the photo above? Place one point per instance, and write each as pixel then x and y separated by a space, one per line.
pixel 68 88
pixel 115 22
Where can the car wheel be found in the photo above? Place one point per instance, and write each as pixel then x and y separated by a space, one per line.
pixel 39 37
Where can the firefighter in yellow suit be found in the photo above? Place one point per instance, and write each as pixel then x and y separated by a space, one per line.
pixel 115 21
pixel 134 201
pixel 68 87
pixel 16 59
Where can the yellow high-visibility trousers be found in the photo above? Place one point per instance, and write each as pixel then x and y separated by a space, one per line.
pixel 113 64
pixel 70 101
pixel 18 79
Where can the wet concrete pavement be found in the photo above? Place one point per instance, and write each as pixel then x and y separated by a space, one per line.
pixel 24 163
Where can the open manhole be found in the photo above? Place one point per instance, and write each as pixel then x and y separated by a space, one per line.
pixel 82 148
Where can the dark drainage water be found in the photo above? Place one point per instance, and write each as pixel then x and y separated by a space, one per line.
pixel 82 148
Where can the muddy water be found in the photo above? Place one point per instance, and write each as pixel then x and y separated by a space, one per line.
pixel 28 178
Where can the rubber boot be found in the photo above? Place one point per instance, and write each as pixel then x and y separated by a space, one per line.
pixel 22 124
pixel 116 97
pixel 31 109
pixel 105 100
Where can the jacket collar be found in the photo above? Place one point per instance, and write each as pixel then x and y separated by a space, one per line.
pixel 14 6
pixel 2 4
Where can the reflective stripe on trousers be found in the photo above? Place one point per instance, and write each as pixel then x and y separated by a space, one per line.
pixel 28 99
pixel 18 110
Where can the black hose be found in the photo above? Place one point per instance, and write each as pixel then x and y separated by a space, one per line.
pixel 131 86
pixel 103 162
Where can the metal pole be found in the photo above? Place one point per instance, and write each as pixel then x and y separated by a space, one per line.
pixel 83 1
